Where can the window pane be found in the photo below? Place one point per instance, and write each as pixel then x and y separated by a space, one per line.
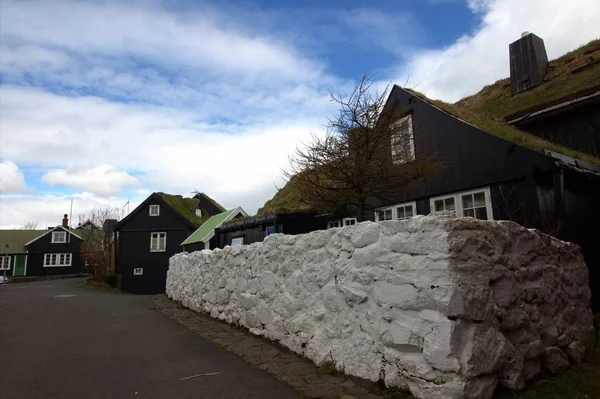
pixel 408 211
pixel 449 204
pixel 481 213
pixel 469 213
pixel 400 212
pixel 439 205
pixel 479 199
pixel 467 201
pixel 388 214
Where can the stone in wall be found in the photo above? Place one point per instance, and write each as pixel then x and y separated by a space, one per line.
pixel 446 307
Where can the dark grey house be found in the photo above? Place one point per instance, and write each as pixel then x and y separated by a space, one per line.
pixel 54 251
pixel 152 233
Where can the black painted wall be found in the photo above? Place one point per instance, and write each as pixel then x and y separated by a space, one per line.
pixel 207 206
pixel 254 230
pixel 197 246
pixel 133 246
pixel 44 245
pixel 578 128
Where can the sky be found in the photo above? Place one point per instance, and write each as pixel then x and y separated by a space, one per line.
pixel 104 102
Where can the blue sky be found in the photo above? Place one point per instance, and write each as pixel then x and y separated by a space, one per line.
pixel 107 101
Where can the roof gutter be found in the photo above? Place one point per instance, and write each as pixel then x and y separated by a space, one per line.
pixel 559 107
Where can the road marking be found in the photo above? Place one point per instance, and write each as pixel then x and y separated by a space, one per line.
pixel 199 375
pixel 64 295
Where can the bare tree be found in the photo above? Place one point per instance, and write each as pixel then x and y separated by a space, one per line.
pixel 30 226
pixel 96 250
pixel 367 153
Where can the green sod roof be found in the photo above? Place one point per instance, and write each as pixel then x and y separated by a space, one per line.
pixel 186 207
pixel 207 227
pixel 574 72
pixel 13 241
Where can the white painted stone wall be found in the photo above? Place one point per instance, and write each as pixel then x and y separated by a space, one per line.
pixel 446 307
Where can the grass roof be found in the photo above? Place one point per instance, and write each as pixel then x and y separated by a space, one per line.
pixel 13 241
pixel 186 207
pixel 285 200
pixel 573 72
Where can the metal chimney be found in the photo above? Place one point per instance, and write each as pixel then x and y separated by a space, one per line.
pixel 528 62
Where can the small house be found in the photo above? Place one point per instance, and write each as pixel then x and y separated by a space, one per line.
pixel 152 233
pixel 255 229
pixel 204 237
pixel 48 252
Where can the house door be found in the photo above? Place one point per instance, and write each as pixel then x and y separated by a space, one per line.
pixel 19 265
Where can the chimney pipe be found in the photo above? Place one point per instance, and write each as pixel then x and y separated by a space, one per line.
pixel 65 221
pixel 528 62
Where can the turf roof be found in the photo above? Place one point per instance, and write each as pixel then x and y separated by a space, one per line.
pixel 573 72
pixel 186 207
pixel 13 241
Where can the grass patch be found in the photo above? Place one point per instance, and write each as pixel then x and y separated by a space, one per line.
pixel 573 72
pixel 327 367
pixel 185 207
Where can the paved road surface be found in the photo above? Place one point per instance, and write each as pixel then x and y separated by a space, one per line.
pixel 61 341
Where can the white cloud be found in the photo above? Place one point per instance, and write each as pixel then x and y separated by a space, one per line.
pixel 481 58
pixel 48 210
pixel 103 180
pixel 12 179
pixel 201 38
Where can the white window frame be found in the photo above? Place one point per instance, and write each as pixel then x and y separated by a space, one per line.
pixel 394 210
pixel 237 241
pixel 154 210
pixel 458 206
pixel 157 236
pixel 5 262
pixel 272 228
pixel 138 271
pixel 198 212
pixel 332 224
pixel 58 259
pixel 349 221
pixel 396 157
pixel 56 234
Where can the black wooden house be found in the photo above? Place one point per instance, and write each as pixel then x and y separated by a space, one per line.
pixel 54 251
pixel 152 233
pixel 490 168
pixel 255 229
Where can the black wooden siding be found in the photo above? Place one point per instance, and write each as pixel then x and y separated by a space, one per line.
pixel 578 128
pixel 254 230
pixel 133 247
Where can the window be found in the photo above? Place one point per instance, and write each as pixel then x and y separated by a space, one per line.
pixel 154 210
pixel 158 242
pixel 384 214
pixel 59 237
pixel 349 221
pixel 237 242
pixel 403 142
pixel 138 271
pixel 475 203
pixel 333 223
pixel 396 212
pixel 4 262
pixel 199 212
pixel 269 230
pixel 444 204
pixel 57 260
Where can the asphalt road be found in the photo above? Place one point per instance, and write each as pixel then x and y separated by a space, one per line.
pixel 58 340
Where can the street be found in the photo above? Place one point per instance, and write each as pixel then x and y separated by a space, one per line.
pixel 59 340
